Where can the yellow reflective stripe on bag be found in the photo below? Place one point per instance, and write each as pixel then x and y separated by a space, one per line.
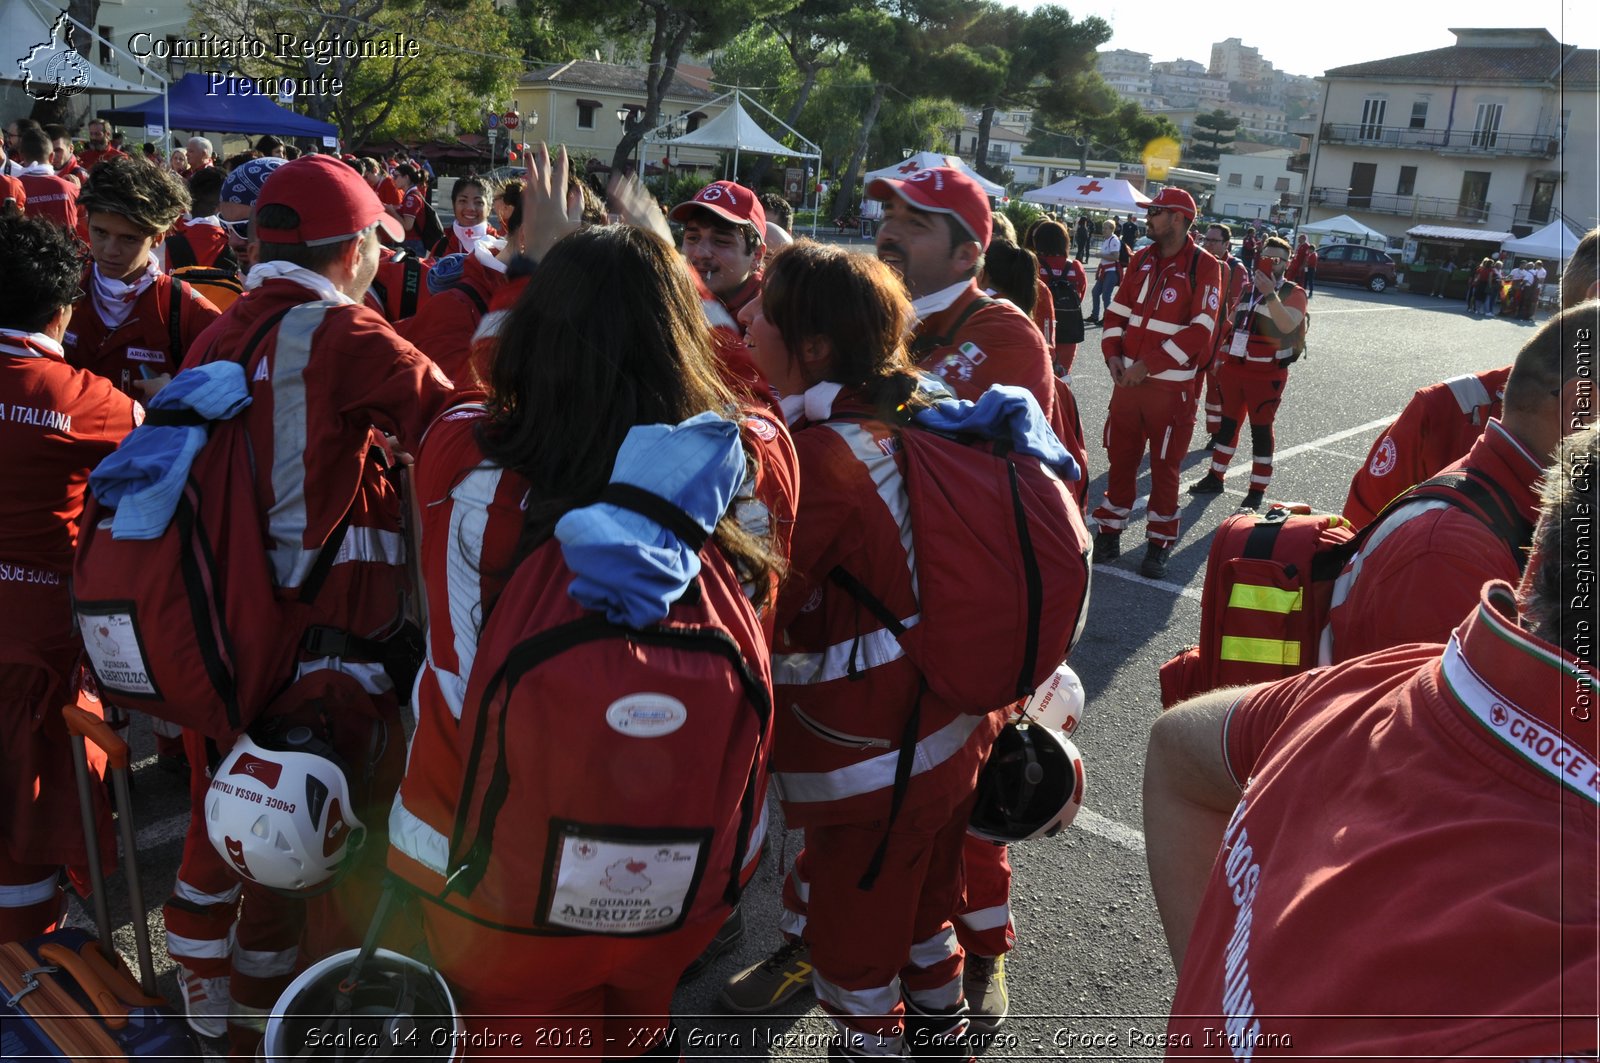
pixel 1265 599
pixel 1260 651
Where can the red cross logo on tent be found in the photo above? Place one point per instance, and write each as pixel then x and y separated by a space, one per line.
pixel 1092 186
pixel 910 166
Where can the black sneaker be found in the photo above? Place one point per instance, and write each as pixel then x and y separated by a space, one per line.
pixel 1209 484
pixel 772 982
pixel 1107 546
pixel 1154 565
pixel 1253 499
pixel 728 935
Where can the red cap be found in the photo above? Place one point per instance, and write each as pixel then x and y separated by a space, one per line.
pixel 1171 198
pixel 943 190
pixel 333 201
pixel 732 202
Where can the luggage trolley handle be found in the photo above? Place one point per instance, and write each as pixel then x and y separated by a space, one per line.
pixel 85 727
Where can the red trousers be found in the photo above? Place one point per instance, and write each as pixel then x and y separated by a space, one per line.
pixel 584 997
pixel 1154 418
pixel 983 921
pixel 41 827
pixel 1248 394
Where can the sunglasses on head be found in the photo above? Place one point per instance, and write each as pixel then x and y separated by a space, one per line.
pixel 1273 258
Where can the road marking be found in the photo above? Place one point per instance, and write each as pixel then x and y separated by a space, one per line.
pixel 1381 422
pixel 1134 577
pixel 1110 830
pixel 1366 310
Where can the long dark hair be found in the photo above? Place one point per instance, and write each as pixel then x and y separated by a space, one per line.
pixel 855 302
pixel 609 334
pixel 1013 273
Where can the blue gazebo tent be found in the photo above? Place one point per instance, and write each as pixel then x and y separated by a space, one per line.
pixel 234 108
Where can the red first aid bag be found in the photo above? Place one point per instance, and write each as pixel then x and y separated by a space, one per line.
pixel 1269 579
pixel 188 626
pixel 611 776
pixel 1001 548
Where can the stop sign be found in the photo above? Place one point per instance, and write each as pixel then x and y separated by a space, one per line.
pixel 510 119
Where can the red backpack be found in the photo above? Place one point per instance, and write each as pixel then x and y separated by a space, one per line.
pixel 611 776
pixel 162 619
pixel 1269 584
pixel 1001 546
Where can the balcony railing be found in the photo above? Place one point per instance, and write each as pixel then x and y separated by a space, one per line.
pixel 1532 213
pixel 1405 206
pixel 1466 141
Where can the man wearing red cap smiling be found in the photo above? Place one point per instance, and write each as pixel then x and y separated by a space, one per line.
pixel 1156 334
pixel 724 241
pixel 328 381
pixel 936 225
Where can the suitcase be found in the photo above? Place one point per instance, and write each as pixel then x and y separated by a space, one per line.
pixel 68 995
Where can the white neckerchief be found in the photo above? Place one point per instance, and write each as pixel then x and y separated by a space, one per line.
pixel 469 235
pixel 37 169
pixel 113 299
pixel 262 272
pixel 487 254
pixel 814 404
pixel 931 304
pixel 213 220
pixel 29 344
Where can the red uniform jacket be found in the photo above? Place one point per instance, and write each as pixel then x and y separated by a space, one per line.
pixel 11 189
pixel 1418 574
pixel 999 344
pixel 315 401
pixel 141 345
pixel 472 519
pixel 1483 727
pixel 195 245
pixel 401 286
pixel 1436 428
pixel 1164 314
pixel 444 328
pixel 56 424
pixel 92 158
pixel 843 687
pixel 52 197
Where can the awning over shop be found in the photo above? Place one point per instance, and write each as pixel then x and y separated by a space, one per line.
pixel 1450 232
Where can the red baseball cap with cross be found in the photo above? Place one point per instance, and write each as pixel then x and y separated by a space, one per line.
pixel 333 202
pixel 1174 199
pixel 729 201
pixel 943 190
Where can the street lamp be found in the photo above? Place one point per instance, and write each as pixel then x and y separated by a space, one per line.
pixel 905 153
pixel 625 115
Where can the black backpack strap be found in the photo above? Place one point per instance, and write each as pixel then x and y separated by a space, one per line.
pixel 471 293
pixel 924 344
pixel 653 506
pixel 411 288
pixel 1489 503
pixel 175 322
pixel 180 252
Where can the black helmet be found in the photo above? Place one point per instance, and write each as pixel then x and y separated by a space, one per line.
pixel 1031 787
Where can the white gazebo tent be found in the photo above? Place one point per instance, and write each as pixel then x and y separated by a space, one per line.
pixel 1107 193
pixel 26 24
pixel 924 160
pixel 735 130
pixel 1343 225
pixel 1553 244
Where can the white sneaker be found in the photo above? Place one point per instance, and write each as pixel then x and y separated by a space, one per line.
pixel 207 1002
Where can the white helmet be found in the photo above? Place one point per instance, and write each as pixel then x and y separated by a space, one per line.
pixel 282 817
pixel 1058 703
pixel 1031 786
pixel 398 1003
